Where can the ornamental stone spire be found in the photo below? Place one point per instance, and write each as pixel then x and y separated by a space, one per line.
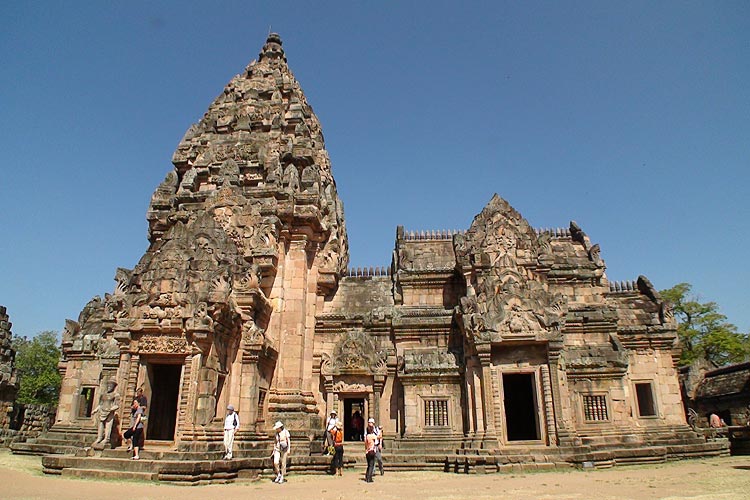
pixel 261 141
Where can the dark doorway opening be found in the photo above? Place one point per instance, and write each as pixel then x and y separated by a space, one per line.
pixel 162 409
pixel 354 419
pixel 520 407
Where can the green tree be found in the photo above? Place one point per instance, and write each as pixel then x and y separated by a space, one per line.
pixel 704 332
pixel 36 365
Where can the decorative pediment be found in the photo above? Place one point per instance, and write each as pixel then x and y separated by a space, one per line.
pixel 498 237
pixel 505 299
pixel 355 352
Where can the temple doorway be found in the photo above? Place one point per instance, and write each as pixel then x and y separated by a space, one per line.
pixel 164 380
pixel 520 407
pixel 354 419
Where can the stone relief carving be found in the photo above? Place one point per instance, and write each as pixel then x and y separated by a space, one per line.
pixel 355 351
pixel 342 386
pixel 504 298
pixel 109 349
pixel 429 361
pixel 201 320
pixel 163 345
pixel 252 334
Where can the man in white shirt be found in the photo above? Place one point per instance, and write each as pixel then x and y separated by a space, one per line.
pixel 231 424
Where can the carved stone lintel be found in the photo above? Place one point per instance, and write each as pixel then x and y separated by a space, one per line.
pixel 163 345
pixel 342 386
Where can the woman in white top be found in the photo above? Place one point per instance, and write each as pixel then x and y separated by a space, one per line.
pixel 281 448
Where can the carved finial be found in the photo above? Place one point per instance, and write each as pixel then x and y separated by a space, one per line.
pixel 272 49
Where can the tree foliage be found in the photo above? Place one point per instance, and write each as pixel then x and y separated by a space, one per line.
pixel 36 365
pixel 704 332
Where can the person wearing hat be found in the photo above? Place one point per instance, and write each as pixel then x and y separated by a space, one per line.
pixel 330 426
pixel 378 445
pixel 337 435
pixel 281 448
pixel 370 449
pixel 231 424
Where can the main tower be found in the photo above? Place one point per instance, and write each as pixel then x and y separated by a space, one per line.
pixel 247 237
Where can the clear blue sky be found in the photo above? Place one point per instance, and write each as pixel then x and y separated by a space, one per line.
pixel 631 118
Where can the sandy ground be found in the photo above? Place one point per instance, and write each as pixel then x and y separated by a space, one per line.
pixel 723 478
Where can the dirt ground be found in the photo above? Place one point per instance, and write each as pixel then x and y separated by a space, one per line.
pixel 723 478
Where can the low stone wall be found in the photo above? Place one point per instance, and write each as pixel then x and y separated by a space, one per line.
pixel 24 422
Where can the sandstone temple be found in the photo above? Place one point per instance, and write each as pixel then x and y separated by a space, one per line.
pixel 498 344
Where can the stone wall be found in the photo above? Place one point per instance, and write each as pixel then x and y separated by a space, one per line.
pixel 25 422
pixel 8 378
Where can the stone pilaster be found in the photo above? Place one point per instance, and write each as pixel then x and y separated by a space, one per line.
pixel 290 399
pixel 484 352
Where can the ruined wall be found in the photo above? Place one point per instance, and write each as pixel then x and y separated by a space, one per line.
pixel 8 378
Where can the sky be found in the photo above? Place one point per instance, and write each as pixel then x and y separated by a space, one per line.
pixel 631 118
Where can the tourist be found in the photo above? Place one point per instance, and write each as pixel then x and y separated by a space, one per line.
pixel 378 447
pixel 281 448
pixel 142 400
pixel 330 426
pixel 716 421
pixel 231 424
pixel 358 425
pixel 143 403
pixel 337 437
pixel 134 434
pixel 370 438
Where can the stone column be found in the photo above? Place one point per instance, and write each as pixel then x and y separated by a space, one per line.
pixel 549 410
pixel 248 391
pixel 474 392
pixel 563 433
pixel 183 404
pixel 377 388
pixel 484 352
pixel 290 399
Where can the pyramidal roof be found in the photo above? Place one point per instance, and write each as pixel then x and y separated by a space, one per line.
pixel 261 114
pixel 260 144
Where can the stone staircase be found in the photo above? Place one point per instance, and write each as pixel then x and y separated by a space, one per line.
pixel 162 461
pixel 58 441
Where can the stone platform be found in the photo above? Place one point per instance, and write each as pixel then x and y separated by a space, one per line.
pixel 161 461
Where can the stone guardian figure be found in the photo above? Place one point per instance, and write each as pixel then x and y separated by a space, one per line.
pixel 109 403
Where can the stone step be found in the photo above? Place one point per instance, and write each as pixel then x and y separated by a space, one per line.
pixel 110 474
pixel 150 453
pixel 42 449
pixel 112 464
